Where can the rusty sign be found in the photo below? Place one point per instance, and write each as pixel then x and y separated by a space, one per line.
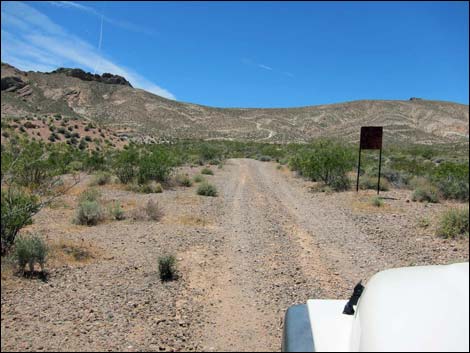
pixel 371 137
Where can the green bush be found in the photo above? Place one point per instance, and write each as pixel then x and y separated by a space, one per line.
pixel 425 195
pixel 30 250
pixel 207 171
pixel 198 178
pixel 183 180
pixel 117 212
pixel 454 223
pixel 156 165
pixel 126 164
pixel 18 208
pixel 325 161
pixel 264 158
pixel 101 178
pixel 206 189
pixel 90 194
pixel 452 180
pixel 152 188
pixel 89 211
pixel 167 267
pixel 367 182
pixel 377 201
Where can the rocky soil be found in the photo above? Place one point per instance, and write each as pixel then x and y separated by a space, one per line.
pixel 266 242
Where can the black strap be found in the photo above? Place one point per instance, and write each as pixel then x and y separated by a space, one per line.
pixel 349 309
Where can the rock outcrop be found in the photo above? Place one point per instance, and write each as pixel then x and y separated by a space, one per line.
pixel 87 76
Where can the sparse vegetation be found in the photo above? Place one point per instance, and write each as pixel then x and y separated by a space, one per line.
pixel 29 250
pixel 117 212
pixel 377 201
pixel 153 210
pixel 206 189
pixel 207 171
pixel 101 178
pixel 89 211
pixel 198 178
pixel 423 194
pixel 183 180
pixel 454 223
pixel 167 267
pixel 18 208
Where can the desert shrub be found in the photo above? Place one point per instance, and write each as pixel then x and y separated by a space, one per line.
pixel 183 180
pixel 117 212
pixel 377 201
pixel 206 189
pixel 101 178
pixel 452 180
pixel 151 188
pixel 198 178
pixel 62 130
pixel 207 171
pixel 90 194
pixel 31 167
pixel 88 138
pixel 425 194
pixel 70 128
pixel 397 178
pixel 325 161
pixel 367 182
pixel 156 165
pixel 454 223
pixel 29 250
pixel 153 210
pixel 167 267
pixel 264 158
pixel 424 222
pixel 125 165
pixel 18 208
pixel 89 213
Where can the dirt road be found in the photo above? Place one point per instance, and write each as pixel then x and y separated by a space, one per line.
pixel 265 243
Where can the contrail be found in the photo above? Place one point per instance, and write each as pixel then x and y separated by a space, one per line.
pixel 99 44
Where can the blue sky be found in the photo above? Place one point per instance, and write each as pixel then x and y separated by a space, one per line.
pixel 258 54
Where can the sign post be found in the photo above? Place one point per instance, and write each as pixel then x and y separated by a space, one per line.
pixel 371 139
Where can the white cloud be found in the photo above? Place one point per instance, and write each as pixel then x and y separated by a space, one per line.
pixel 119 23
pixel 40 44
pixel 265 67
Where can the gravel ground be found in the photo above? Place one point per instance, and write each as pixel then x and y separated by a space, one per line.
pixel 265 243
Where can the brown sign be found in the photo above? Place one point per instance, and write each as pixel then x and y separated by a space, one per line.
pixel 371 137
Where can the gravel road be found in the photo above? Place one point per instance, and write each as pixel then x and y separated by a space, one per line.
pixel 265 243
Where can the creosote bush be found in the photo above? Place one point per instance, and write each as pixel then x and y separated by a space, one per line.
pixel 29 250
pixel 454 223
pixel 325 161
pixel 18 208
pixel 167 267
pixel 206 189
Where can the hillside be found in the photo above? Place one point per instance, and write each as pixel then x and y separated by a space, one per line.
pixel 110 101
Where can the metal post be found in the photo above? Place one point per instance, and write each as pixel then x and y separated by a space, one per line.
pixel 380 166
pixel 358 170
